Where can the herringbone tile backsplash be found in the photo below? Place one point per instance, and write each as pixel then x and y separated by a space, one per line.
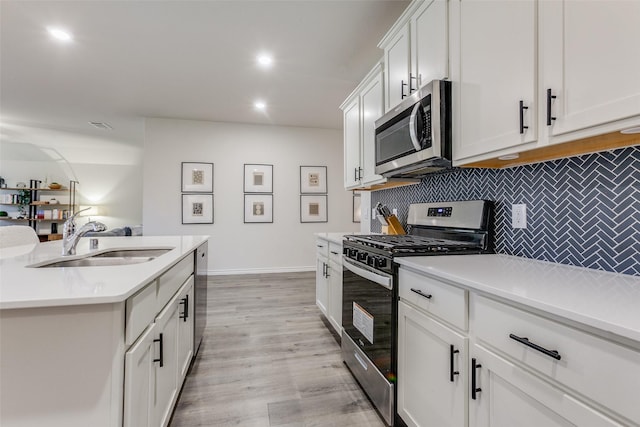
pixel 582 211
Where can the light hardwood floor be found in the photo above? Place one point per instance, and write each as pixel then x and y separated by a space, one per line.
pixel 267 359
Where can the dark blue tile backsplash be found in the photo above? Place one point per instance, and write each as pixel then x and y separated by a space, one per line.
pixel 582 211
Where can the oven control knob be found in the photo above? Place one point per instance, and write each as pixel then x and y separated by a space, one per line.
pixel 381 263
pixel 362 256
pixel 352 253
pixel 345 251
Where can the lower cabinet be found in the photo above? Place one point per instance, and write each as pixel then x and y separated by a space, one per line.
pixel 322 284
pixel 157 363
pixel 329 281
pixel 431 371
pixel 506 395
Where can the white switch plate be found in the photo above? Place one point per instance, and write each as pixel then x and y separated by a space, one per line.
pixel 395 211
pixel 519 216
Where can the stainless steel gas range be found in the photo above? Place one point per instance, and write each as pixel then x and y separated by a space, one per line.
pixel 370 289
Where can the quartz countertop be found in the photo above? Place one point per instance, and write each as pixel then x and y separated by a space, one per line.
pixel 337 237
pixel 26 287
pixel 607 301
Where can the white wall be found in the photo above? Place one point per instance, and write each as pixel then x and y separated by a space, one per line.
pixel 235 247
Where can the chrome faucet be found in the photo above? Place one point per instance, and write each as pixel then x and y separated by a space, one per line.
pixel 71 236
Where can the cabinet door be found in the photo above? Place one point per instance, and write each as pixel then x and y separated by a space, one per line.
pixel 431 371
pixel 166 371
pixel 508 396
pixel 494 61
pixel 372 106
pixel 139 381
pixel 352 144
pixel 592 70
pixel 396 67
pixel 429 42
pixel 335 296
pixel 322 287
pixel 185 329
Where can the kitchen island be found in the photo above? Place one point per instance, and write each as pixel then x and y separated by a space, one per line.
pixel 98 345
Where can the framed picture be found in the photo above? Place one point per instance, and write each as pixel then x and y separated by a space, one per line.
pixel 356 207
pixel 313 179
pixel 197 177
pixel 313 208
pixel 258 178
pixel 258 208
pixel 197 208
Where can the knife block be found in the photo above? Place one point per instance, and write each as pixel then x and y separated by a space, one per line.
pixel 394 226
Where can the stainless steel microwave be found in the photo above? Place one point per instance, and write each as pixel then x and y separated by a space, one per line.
pixel 414 139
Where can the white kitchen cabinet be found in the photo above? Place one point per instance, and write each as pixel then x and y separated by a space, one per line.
pixel 360 111
pixel 493 65
pixel 507 395
pixel 415 50
pixel 185 328
pixel 322 280
pixel 334 310
pixel 591 70
pixel 139 381
pixel 432 370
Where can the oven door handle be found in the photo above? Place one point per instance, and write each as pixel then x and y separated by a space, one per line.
pixel 369 275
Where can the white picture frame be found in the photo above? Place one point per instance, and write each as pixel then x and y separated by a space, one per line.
pixel 258 178
pixel 197 208
pixel 197 177
pixel 313 179
pixel 258 208
pixel 313 208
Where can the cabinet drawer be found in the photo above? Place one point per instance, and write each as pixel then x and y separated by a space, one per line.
pixel 447 302
pixel 322 248
pixel 601 370
pixel 335 253
pixel 140 310
pixel 170 282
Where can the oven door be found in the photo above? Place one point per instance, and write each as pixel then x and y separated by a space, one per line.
pixel 367 312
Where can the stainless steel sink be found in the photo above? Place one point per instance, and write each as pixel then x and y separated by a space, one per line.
pixel 107 258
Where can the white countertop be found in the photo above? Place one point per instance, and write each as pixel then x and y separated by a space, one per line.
pixel 24 287
pixel 607 301
pixel 337 237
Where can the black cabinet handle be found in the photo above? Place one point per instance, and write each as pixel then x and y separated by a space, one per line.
pixel 335 253
pixel 161 358
pixel 549 98
pixel 452 373
pixel 525 341
pixel 185 302
pixel 522 108
pixel 411 77
pixel 360 170
pixel 402 85
pixel 474 388
pixel 326 274
pixel 422 294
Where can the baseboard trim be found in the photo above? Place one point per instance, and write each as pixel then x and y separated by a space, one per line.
pixel 261 271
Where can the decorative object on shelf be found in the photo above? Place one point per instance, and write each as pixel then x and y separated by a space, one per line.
pixel 21 185
pixel 55 186
pixel 313 179
pixel 313 208
pixel 197 177
pixel 258 208
pixel 258 178
pixel 197 208
pixel 3 214
pixel 357 198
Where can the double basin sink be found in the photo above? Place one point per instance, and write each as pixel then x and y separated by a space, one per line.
pixel 107 258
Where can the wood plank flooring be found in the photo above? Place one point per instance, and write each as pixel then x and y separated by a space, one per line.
pixel 268 360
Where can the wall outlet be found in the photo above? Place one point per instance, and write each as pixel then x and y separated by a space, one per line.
pixel 519 216
pixel 395 212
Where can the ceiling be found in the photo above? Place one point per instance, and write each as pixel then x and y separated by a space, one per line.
pixel 182 59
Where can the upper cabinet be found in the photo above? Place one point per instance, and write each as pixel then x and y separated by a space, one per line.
pixel 360 111
pixel 415 50
pixel 530 74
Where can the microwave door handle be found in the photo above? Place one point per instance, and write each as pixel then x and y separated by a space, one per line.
pixel 412 127
pixel 376 278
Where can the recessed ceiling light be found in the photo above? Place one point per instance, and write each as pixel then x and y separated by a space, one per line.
pixel 265 60
pixel 260 105
pixel 631 130
pixel 59 34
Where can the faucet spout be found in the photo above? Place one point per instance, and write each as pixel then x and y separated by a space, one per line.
pixel 71 236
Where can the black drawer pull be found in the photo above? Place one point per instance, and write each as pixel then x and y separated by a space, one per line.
pixel 474 388
pixel 525 341
pixel 550 97
pixel 522 108
pixel 161 358
pixel 422 294
pixel 452 373
pixel 185 314
pixel 335 253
